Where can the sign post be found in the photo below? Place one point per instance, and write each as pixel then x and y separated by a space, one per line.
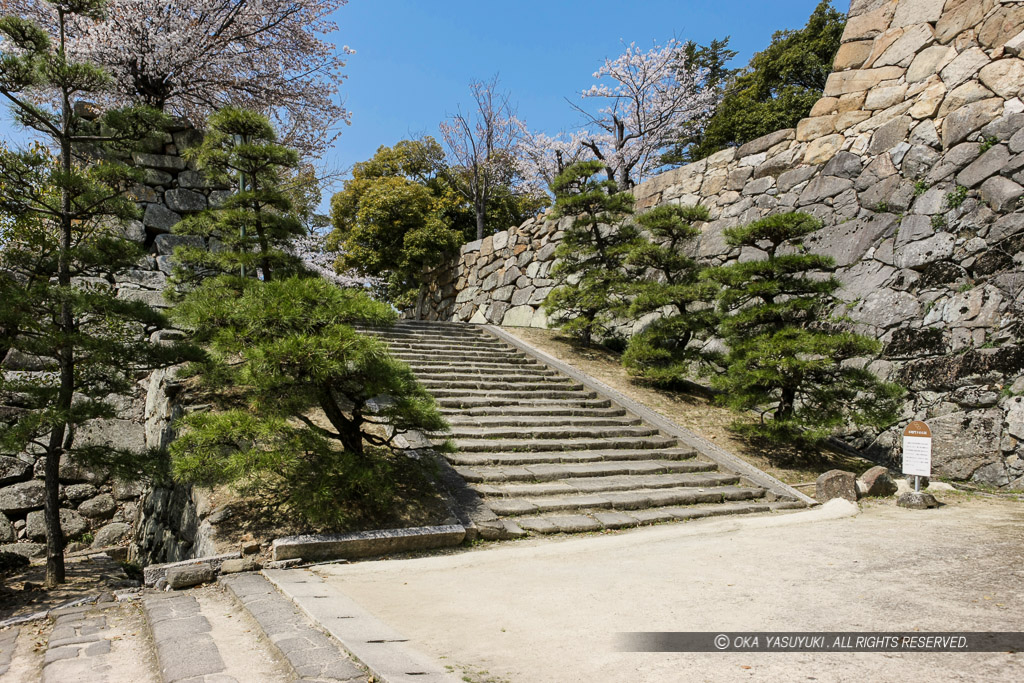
pixel 917 452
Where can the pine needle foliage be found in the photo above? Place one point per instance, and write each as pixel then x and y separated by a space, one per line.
pixel 591 258
pixel 299 416
pixel 254 226
pixel 63 202
pixel 787 358
pixel 663 353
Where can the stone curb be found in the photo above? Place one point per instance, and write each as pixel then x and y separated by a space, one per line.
pixel 723 458
pixel 366 543
pixel 310 653
pixel 376 645
pixel 154 572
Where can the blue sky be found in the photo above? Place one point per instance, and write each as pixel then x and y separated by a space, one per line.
pixel 415 58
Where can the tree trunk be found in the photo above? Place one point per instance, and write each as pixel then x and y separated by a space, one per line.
pixel 480 211
pixel 786 404
pixel 349 431
pixel 54 532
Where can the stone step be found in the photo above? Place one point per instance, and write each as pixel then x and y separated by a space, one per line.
pixel 504 384
pixel 553 409
pixel 599 454
pixel 549 445
pixel 555 471
pixel 622 500
pixel 514 362
pixel 453 356
pixel 464 432
pixel 460 420
pixel 488 373
pixel 311 654
pixel 483 400
pixel 404 332
pixel 607 484
pixel 458 346
pixel 518 395
pixel 618 519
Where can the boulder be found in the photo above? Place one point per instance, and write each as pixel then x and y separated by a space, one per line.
pixel 244 564
pixel 13 470
pixel 185 201
pixel 23 496
pixel 876 482
pixel 191 575
pixel 917 500
pixel 111 534
pixel 28 550
pixel 71 522
pixel 158 218
pixel 7 534
pixel 102 505
pixel 835 484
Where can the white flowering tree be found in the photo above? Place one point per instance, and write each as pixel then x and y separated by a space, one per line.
pixel 542 157
pixel 482 147
pixel 650 97
pixel 191 57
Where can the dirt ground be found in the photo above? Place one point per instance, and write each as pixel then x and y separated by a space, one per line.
pixel 696 413
pixel 549 609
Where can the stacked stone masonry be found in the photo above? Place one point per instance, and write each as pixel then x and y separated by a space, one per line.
pixel 914 161
pixel 158 524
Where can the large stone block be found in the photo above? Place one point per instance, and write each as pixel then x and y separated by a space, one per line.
pixel 906 47
pixel 964 66
pixel 1002 194
pixel 861 80
pixel 965 120
pixel 158 218
pixel 22 497
pixel 1004 77
pixel 929 62
pixel 985 166
pixel 852 55
pixel 184 201
pixel 71 522
pixel 13 470
pixel 869 24
pixel 964 442
pixel 821 150
pixel 910 12
pixel 835 484
pixel 166 244
pixel 159 161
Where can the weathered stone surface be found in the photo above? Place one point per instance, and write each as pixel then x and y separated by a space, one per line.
pixel 71 522
pixel 890 135
pixel 918 254
pixel 860 80
pixel 159 161
pixel 242 564
pixel 159 218
pixel 1002 194
pixel 903 50
pixel 985 166
pixel 28 550
pixel 166 244
pixel 886 308
pixel 185 201
pixel 13 470
pixel 869 24
pixel 822 187
pixel 965 65
pixel 519 316
pixel 190 575
pixel 821 150
pixel 22 497
pixel 102 505
pixel 929 62
pixel 1004 22
pixel 881 98
pixel 917 500
pixel 113 433
pixel 809 129
pixel 7 533
pixel 964 121
pixel 1004 77
pixel 962 95
pixel 851 55
pixel 1015 46
pixel 876 482
pixel 910 12
pixel 848 242
pixel 835 484
pixel 111 534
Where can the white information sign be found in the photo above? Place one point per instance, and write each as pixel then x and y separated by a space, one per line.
pixel 917 450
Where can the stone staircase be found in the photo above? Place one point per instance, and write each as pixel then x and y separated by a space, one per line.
pixel 545 454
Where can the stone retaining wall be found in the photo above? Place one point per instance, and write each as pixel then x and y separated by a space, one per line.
pixel 914 161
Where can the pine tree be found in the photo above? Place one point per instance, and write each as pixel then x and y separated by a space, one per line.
pixel 663 353
pixel 307 410
pixel 62 203
pixel 253 227
pixel 591 272
pixel 787 357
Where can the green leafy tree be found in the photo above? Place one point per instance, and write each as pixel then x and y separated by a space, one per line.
pixel 392 218
pixel 255 225
pixel 61 207
pixel 308 410
pixel 591 258
pixel 787 357
pixel 778 87
pixel 712 58
pixel 663 352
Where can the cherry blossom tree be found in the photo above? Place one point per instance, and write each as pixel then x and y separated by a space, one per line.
pixel 483 145
pixel 650 97
pixel 542 158
pixel 192 57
